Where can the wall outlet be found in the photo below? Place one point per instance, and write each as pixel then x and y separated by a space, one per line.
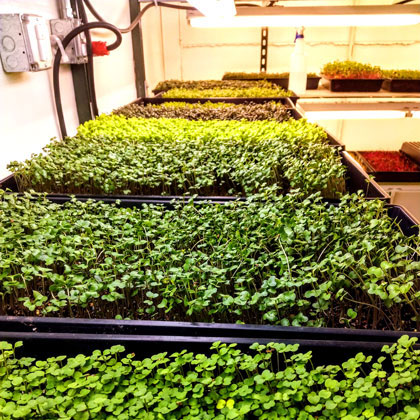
pixel 24 43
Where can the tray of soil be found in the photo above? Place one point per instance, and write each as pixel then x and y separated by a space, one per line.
pixel 389 166
pixel 402 80
pixel 279 79
pixel 351 76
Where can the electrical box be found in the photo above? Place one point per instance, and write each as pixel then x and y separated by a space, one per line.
pixel 76 51
pixel 24 43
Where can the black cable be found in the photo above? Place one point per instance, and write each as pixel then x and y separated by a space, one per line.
pixel 90 68
pixel 137 19
pixel 174 6
pixel 93 11
pixel 133 24
pixel 56 66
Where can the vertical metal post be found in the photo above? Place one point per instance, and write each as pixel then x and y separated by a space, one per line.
pixel 79 74
pixel 264 49
pixel 138 51
pixel 81 92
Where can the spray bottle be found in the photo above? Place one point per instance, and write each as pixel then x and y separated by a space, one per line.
pixel 298 76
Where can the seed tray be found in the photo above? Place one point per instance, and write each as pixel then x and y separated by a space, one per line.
pixel 43 345
pixel 387 176
pixel 158 99
pixel 311 83
pixel 48 334
pixel 193 329
pixel 401 85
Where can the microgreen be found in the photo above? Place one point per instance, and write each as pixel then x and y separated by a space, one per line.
pixel 384 161
pixel 287 261
pixel 208 111
pixel 272 381
pixel 259 76
pixel 350 70
pixel 118 155
pixel 271 91
pixel 208 84
pixel 402 74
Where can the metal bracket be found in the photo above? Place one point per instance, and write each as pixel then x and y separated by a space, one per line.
pixel 264 49
pixel 76 50
pixel 24 43
pixel 138 51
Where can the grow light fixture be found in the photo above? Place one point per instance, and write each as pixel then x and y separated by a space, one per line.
pixel 284 16
pixel 215 9
pixel 362 109
pixel 313 116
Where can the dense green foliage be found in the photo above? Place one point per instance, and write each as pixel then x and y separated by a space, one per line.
pixel 271 382
pixel 252 92
pixel 402 74
pixel 259 76
pixel 207 84
pixel 113 154
pixel 285 261
pixel 350 70
pixel 208 111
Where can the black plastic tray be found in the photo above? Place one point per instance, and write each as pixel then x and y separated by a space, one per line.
pixel 192 329
pixel 412 149
pixel 48 335
pixel 401 85
pixel 357 179
pixel 388 176
pixel 311 83
pixel 355 85
pixel 43 345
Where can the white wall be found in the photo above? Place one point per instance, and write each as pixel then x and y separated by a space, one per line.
pixel 377 134
pixel 27 113
pixel 194 53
